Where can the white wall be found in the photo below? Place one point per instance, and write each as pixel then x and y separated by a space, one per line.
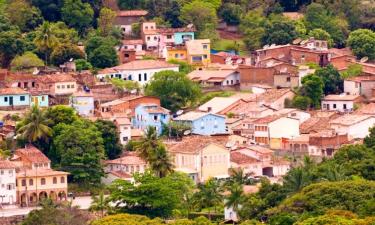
pixel 284 128
pixel 350 87
pixel 234 77
pixel 8 186
pixel 339 105
pixel 358 130
pixel 125 133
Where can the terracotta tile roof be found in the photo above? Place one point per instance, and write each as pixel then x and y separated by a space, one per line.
pixel 342 97
pixel 246 108
pixel 361 78
pixel 218 104
pixel 122 121
pixel 366 109
pixel 240 158
pixel 267 119
pixel 12 91
pixel 340 51
pixel 273 95
pixel 154 108
pixel 5 164
pixel 40 173
pixel 130 159
pixel 207 75
pixel 140 65
pixel 257 148
pixel 55 78
pixel 126 13
pixel 195 143
pixel 20 77
pixel 32 154
pixel 314 124
pixel 350 119
pixel 136 132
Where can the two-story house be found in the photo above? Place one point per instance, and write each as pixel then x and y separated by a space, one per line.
pixel 124 128
pixel 124 19
pixel 35 178
pixel 150 115
pixel 201 157
pixel 7 183
pixel 198 52
pixel 203 123
pixel 57 84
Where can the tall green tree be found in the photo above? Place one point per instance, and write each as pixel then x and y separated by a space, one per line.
pixel 51 9
pixel 332 81
pixel 77 14
pixel 312 87
pixel 199 13
pixel 208 195
pixel 104 56
pixel 23 15
pixel 45 40
pixel 34 125
pixel 11 44
pixel 279 32
pixel 362 42
pixel 64 52
pixel 105 21
pixel 234 199
pixel 111 140
pixel 160 161
pixel 99 203
pixel 174 89
pixel 80 149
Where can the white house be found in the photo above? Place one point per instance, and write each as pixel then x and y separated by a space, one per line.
pixel 215 78
pixel 141 71
pixel 124 129
pixel 341 103
pixel 360 85
pixel 356 126
pixel 7 183
pixel 150 35
pixel 300 115
pixel 130 163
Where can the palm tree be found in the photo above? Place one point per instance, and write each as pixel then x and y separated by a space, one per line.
pixel 35 125
pixel 296 179
pixel 160 161
pixel 45 40
pixel 335 172
pixel 208 195
pixel 237 175
pixel 99 203
pixel 235 197
pixel 147 144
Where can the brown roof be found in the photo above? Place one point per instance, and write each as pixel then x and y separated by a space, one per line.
pixel 20 77
pixel 208 75
pixel 342 97
pixel 272 95
pixel 154 108
pixel 350 119
pixel 32 154
pixel 130 159
pixel 361 78
pixel 12 91
pixel 267 119
pixel 366 109
pixel 133 42
pixel 5 164
pixel 193 144
pixel 40 173
pixel 240 158
pixel 176 30
pixel 55 78
pixel 126 13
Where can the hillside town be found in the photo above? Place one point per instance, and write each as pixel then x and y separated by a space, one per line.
pixel 153 122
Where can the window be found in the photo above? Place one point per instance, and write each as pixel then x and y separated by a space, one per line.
pixel 43 98
pixel 148 38
pixel 63 86
pixel 288 79
pixel 176 55
pixel 62 180
pixel 23 182
pixel 9 187
pixel 22 98
pixel 68 86
pixel 181 55
pixel 5 99
pixel 43 181
pixel 146 27
pixel 145 76
pixel 155 38
pixel 54 180
pixel 169 36
pixel 197 58
pixel 205 56
pixel 344 106
pixel 31 182
pixel 155 117
pixel 139 77
pixel 334 106
pixel 124 138
pixel 205 46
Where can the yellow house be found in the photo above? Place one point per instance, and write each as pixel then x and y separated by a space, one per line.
pixel 34 185
pixel 176 53
pixel 201 157
pixel 198 52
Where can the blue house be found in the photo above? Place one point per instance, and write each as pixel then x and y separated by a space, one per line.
pixel 204 123
pixel 83 103
pixel 14 98
pixel 40 100
pixel 153 115
pixel 181 36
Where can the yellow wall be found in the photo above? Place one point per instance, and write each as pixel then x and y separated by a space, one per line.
pixel 275 143
pixel 206 52
pixel 215 161
pixel 49 183
pixel 171 54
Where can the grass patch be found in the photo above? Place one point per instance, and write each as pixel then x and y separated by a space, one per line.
pixel 227 44
pixel 210 95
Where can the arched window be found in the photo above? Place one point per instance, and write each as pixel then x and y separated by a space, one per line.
pixel 43 181
pixel 54 180
pixel 62 180
pixel 31 182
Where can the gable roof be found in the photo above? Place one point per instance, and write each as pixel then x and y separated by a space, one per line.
pixel 218 104
pixel 5 164
pixel 207 75
pixel 129 159
pixel 341 97
pixel 32 154
pixel 56 78
pixel 240 158
pixel 194 115
pixel 194 143
pixel 12 91
pixel 350 119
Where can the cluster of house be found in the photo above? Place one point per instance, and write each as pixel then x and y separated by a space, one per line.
pixel 27 178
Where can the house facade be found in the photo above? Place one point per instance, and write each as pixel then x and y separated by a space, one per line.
pixel 340 103
pixel 198 52
pixel 203 123
pixel 150 115
pixel 14 98
pixel 124 128
pixel 124 19
pixel 7 183
pixel 355 126
pixel 83 103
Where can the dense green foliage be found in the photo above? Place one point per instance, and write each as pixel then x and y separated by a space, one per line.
pixel 174 89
